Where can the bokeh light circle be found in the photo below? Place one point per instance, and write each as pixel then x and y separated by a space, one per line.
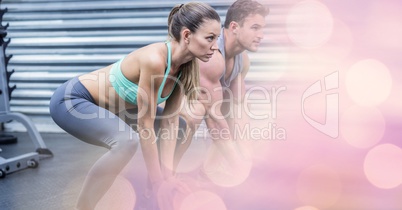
pixel 368 82
pixel 121 195
pixel 309 24
pixel 319 186
pixel 383 166
pixel 339 45
pixel 306 208
pixel 193 157
pixel 221 173
pixel 202 200
pixel 362 127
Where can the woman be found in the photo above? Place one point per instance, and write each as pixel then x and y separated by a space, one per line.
pixel 106 106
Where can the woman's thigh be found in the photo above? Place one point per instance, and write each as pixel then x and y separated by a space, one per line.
pixel 73 109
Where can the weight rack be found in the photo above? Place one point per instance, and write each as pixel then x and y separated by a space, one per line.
pixel 31 159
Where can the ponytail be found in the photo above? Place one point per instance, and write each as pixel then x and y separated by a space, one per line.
pixel 174 10
pixel 190 78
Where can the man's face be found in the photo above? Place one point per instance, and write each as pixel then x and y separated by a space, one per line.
pixel 249 35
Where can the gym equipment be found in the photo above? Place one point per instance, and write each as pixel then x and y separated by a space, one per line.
pixel 7 139
pixel 28 160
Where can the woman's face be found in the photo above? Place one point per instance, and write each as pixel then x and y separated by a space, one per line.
pixel 202 43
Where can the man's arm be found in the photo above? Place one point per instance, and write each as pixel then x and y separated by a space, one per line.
pixel 212 98
pixel 238 119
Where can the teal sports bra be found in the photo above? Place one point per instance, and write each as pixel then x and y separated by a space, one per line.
pixel 128 90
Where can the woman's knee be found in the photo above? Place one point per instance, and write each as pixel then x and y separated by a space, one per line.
pixel 127 144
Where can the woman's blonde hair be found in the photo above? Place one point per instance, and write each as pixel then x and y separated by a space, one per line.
pixel 190 15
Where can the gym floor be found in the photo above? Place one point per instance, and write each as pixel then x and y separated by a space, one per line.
pixel 50 185
pixel 304 171
pixel 56 183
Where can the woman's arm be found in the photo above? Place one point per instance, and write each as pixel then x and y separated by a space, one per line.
pixel 169 130
pixel 147 104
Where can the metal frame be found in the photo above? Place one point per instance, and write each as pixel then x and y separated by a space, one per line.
pixel 28 160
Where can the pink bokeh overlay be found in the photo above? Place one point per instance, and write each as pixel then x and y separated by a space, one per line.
pixel 331 133
pixel 340 110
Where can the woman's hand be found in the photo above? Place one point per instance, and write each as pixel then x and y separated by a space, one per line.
pixel 166 190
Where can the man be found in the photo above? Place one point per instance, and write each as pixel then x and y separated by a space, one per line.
pixel 222 87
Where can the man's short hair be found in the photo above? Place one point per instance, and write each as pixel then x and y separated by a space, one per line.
pixel 240 9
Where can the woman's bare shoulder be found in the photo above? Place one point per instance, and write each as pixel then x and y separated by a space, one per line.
pixel 152 57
